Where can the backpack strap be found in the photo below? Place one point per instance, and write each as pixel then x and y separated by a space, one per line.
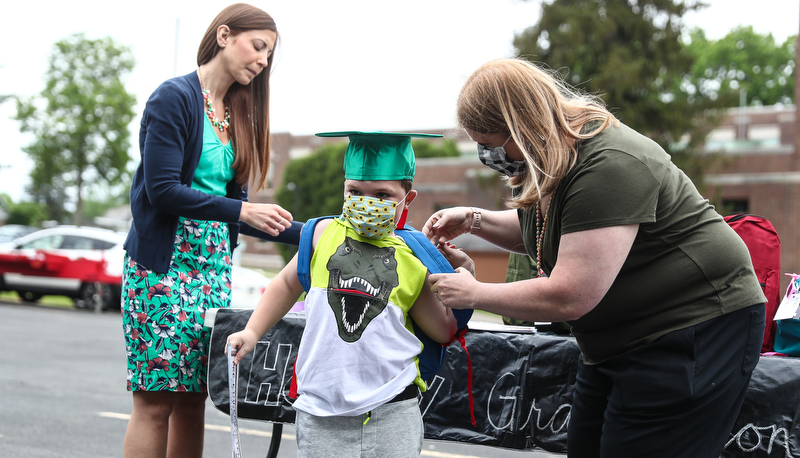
pixel 461 340
pixel 305 250
pixel 434 260
pixel 425 250
pixel 433 353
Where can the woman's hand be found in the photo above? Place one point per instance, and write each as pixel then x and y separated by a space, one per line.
pixel 457 258
pixel 447 224
pixel 456 290
pixel 242 342
pixel 269 218
pixel 498 227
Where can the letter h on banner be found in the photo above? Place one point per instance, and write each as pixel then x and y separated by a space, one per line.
pixel 274 373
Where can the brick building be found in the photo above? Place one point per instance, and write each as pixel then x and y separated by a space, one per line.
pixel 763 177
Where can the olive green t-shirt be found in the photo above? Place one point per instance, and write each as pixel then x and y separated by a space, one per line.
pixel 686 264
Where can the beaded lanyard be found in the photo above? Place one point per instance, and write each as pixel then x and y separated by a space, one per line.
pixel 541 225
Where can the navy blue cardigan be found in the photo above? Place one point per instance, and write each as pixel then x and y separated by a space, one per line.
pixel 170 143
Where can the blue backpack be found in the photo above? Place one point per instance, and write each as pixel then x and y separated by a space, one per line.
pixel 433 353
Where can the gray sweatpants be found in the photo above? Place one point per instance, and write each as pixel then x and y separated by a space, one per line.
pixel 394 430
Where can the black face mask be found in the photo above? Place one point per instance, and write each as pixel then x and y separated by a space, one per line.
pixel 496 158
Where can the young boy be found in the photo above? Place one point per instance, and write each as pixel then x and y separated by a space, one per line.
pixel 357 374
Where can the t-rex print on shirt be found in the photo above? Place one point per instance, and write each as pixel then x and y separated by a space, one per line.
pixel 361 279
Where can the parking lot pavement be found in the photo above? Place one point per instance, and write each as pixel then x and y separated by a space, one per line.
pixel 62 380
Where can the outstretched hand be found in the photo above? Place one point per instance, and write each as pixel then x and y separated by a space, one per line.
pixel 447 224
pixel 270 218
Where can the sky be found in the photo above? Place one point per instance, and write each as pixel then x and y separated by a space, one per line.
pixel 340 65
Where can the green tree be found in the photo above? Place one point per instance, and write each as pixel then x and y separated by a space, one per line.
pixel 3 98
pixel 79 123
pixel 744 62
pixel 631 54
pixel 100 200
pixel 25 213
pixel 314 185
pixel 443 148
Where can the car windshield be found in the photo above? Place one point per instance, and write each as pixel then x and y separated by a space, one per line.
pixel 73 242
pixel 13 231
pixel 45 243
pixel 67 242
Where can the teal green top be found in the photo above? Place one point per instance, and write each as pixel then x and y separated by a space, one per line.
pixel 215 169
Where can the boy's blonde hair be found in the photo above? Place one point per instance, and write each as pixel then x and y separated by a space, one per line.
pixel 541 112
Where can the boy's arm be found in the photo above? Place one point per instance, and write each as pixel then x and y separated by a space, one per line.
pixel 436 320
pixel 279 297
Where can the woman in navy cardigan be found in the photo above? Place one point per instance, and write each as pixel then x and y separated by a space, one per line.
pixel 189 203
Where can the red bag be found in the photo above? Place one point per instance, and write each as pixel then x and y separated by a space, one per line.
pixel 764 244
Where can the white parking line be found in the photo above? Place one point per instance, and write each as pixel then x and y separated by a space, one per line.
pixel 118 416
pixel 255 432
pixel 445 455
pixel 250 432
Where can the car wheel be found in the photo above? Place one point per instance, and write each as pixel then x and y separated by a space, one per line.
pixel 86 297
pixel 29 296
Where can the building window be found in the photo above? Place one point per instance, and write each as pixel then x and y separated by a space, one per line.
pixel 733 206
pixel 754 137
pixel 765 135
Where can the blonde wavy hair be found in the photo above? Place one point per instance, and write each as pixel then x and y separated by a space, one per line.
pixel 542 113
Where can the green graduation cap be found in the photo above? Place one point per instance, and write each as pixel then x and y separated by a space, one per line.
pixel 378 155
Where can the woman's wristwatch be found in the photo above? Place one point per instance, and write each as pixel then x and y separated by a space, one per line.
pixel 476 220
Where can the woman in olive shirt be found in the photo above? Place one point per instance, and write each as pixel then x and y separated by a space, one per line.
pixel 659 290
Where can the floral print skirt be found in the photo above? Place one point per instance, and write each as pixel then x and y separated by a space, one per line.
pixel 163 313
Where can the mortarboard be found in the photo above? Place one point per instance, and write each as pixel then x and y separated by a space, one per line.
pixel 378 155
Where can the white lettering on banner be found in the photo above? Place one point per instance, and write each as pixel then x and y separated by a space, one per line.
pixel 433 387
pixel 564 409
pixel 757 430
pixel 277 361
pixel 567 408
pixel 489 405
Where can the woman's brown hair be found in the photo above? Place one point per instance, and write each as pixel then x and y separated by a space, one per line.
pixel 542 114
pixel 248 105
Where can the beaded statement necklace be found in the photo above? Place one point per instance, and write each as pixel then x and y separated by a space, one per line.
pixel 221 125
pixel 541 225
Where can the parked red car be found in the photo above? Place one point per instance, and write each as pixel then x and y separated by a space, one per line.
pixel 66 260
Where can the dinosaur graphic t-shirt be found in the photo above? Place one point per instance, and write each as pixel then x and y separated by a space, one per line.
pixel 358 349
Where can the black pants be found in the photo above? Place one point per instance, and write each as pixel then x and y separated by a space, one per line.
pixel 676 397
